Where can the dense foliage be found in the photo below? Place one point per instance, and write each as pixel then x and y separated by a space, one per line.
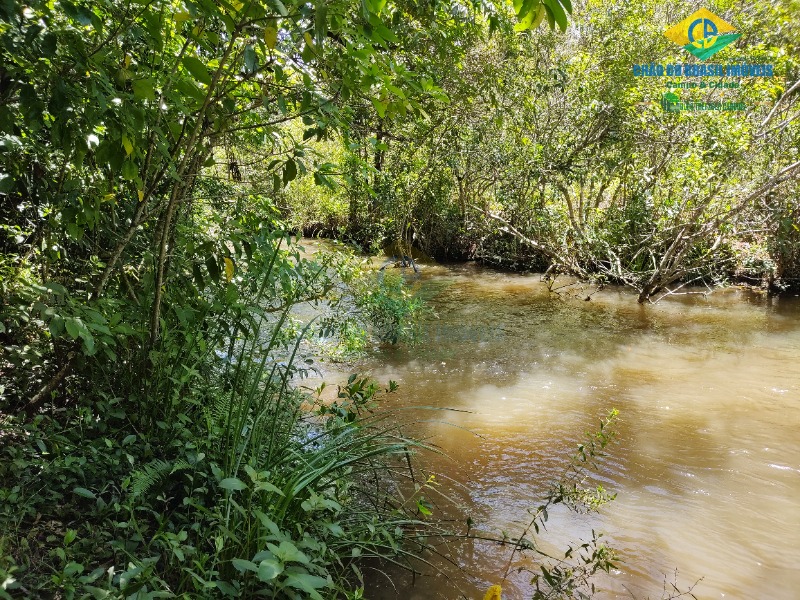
pixel 553 155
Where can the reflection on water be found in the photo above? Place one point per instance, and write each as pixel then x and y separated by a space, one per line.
pixel 707 462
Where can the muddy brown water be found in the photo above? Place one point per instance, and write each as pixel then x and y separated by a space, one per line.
pixel 706 465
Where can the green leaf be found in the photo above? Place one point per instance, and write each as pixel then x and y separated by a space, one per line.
pixel 144 89
pixel 252 473
pixel 380 107
pixel 127 144
pixel 213 268
pixel 197 274
pixel 269 569
pixel 250 59
pixel 88 340
pixel 558 13
pixel 422 506
pixel 527 20
pixel 288 552
pixel 10 142
pixel 190 91
pixel 56 288
pixel 320 22
pixel 540 12
pixel 278 5
pixel 266 486
pixel 386 33
pixel 242 565
pixel 376 6
pixel 73 568
pixel 526 8
pixel 6 183
pixel 84 16
pixel 72 327
pixel 49 44
pixel 232 483
pixel 308 51
pixel 306 582
pixel 289 171
pixel 84 492
pixel 550 18
pixel 271 36
pixel 129 170
pixel 197 69
pixel 226 588
pixel 268 523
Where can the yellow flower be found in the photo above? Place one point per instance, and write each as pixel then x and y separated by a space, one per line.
pixel 229 268
pixel 494 593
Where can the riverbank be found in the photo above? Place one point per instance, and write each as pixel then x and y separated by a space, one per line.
pixel 749 267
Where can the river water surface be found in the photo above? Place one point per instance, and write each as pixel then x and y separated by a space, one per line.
pixel 706 464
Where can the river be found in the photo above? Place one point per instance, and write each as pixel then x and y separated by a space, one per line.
pixel 706 464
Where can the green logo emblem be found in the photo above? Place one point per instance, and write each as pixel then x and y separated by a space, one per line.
pixel 703 34
pixel 669 102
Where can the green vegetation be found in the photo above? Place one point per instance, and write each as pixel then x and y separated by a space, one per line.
pixel 552 155
pixel 156 313
pixel 197 469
